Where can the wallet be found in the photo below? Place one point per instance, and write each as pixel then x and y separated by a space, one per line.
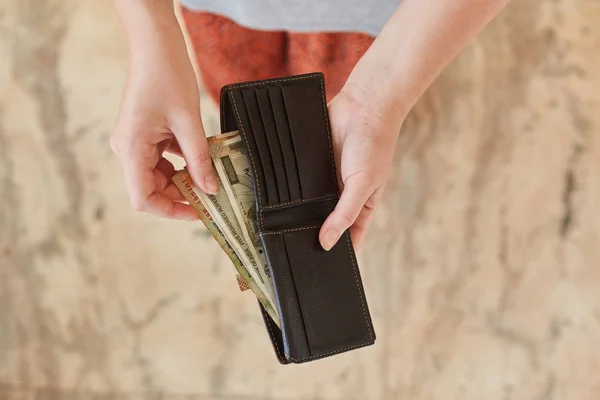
pixel 319 294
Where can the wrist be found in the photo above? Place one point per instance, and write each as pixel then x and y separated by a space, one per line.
pixel 380 97
pixel 135 14
pixel 150 26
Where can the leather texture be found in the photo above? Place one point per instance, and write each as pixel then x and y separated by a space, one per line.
pixel 320 297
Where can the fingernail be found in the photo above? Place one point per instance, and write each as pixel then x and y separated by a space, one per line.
pixel 211 184
pixel 329 239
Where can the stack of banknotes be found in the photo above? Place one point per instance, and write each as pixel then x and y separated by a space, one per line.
pixel 230 215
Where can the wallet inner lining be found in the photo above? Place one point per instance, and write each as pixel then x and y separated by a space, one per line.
pixel 310 133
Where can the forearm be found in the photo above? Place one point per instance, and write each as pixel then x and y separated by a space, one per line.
pixel 419 40
pixel 151 28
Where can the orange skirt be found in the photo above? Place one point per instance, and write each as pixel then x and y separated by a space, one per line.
pixel 229 53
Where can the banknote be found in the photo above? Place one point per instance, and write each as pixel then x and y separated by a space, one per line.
pixel 223 213
pixel 233 168
pixel 191 193
pixel 184 183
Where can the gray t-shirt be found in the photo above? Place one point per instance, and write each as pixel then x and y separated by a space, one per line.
pixel 367 16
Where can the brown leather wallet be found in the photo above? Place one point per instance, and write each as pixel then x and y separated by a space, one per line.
pixel 319 294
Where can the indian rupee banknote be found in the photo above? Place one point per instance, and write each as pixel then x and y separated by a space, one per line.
pixel 193 194
pixel 233 167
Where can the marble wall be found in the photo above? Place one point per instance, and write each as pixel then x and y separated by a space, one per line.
pixel 482 267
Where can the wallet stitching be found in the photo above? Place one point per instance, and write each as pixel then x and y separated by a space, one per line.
pixel 241 126
pixel 271 81
pixel 262 83
pixel 332 352
pixel 223 127
pixel 330 195
pixel 360 291
pixel 361 294
pixel 325 114
pixel 289 230
pixel 354 267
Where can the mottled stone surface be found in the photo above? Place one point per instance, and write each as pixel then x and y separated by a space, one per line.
pixel 481 269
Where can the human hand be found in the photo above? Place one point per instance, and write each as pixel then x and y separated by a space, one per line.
pixel 160 112
pixel 364 139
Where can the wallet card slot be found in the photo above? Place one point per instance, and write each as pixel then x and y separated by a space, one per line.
pixel 268 118
pixel 238 107
pixel 329 291
pixel 264 153
pixel 295 215
pixel 293 330
pixel 309 128
pixel 286 141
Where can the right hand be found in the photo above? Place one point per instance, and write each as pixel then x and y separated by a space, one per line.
pixel 160 112
pixel 364 139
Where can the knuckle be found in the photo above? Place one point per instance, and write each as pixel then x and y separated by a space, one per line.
pixel 186 115
pixel 185 119
pixel 202 158
pixel 371 205
pixel 364 178
pixel 346 219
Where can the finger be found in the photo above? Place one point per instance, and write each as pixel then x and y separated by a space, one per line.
pixel 357 191
pixel 192 142
pixel 160 205
pixel 141 177
pixel 163 180
pixel 175 149
pixel 364 219
pixel 165 144
pixel 139 173
pixel 173 193
pixel 166 186
pixel 166 167
pixel 358 230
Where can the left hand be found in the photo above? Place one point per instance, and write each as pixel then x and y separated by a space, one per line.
pixel 364 140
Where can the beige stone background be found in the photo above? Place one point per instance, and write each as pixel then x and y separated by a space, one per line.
pixel 482 268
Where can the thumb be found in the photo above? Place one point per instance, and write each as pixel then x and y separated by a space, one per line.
pixel 357 191
pixel 192 141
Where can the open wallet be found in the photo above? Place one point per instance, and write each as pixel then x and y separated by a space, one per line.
pixel 319 294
